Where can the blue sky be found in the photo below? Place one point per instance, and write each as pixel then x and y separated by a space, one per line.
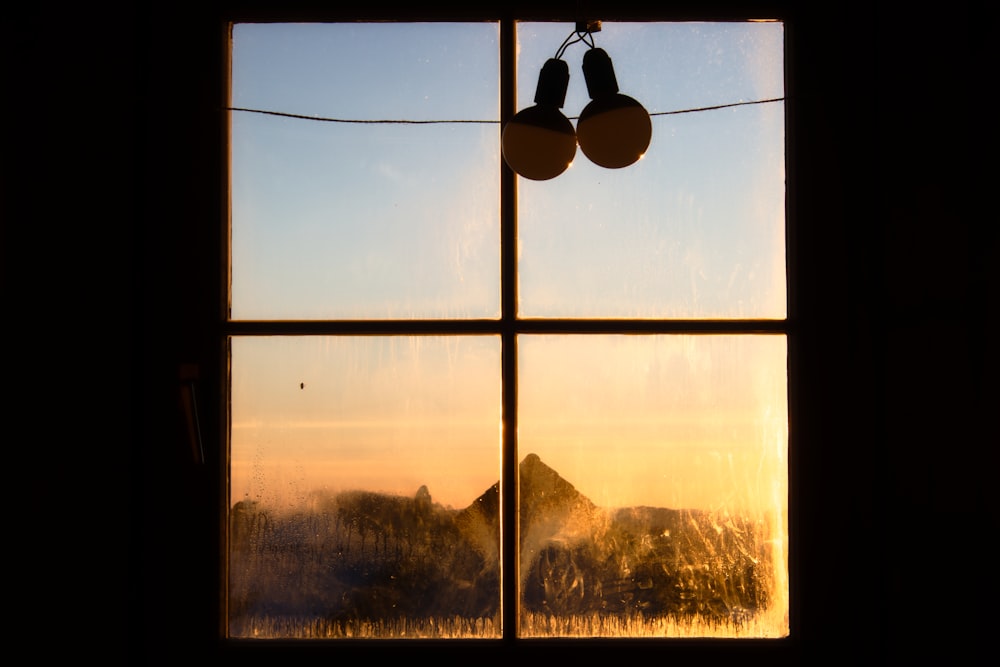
pixel 352 220
pixel 348 220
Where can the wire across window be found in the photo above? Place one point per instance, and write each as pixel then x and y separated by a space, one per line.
pixel 651 416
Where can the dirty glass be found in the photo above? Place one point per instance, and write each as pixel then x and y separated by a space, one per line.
pixel 368 340
pixel 365 219
pixel 653 485
pixel 696 227
pixel 362 486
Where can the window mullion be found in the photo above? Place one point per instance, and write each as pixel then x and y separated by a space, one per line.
pixel 508 301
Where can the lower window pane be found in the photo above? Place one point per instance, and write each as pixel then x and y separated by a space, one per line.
pixel 653 486
pixel 362 487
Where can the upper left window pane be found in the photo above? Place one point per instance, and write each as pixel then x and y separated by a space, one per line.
pixel 372 212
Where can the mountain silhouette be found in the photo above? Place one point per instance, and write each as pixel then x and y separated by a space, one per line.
pixel 368 555
pixel 542 491
pixel 576 557
pixel 551 511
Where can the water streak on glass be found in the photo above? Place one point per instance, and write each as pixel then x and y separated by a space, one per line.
pixel 364 471
pixel 363 490
pixel 374 220
pixel 653 486
pixel 695 229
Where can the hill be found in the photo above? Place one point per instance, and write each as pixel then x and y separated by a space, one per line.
pixel 361 555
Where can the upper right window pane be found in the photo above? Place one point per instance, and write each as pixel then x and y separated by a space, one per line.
pixel 696 228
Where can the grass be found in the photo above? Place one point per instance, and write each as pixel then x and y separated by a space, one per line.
pixel 533 625
pixel 292 627
pixel 335 573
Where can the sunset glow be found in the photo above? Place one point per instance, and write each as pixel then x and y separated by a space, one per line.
pixel 365 468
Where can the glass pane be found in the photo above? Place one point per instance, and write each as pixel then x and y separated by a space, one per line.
pixel 365 220
pixel 695 229
pixel 363 487
pixel 653 485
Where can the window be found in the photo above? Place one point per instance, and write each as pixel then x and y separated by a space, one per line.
pixel 465 404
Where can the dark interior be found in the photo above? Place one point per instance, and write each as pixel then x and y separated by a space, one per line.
pixel 114 193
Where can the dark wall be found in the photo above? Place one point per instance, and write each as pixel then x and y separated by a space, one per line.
pixel 900 267
pixel 112 174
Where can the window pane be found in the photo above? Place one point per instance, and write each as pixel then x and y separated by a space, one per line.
pixel 695 229
pixel 363 487
pixel 373 220
pixel 653 485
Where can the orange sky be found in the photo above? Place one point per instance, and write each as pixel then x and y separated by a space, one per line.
pixel 670 421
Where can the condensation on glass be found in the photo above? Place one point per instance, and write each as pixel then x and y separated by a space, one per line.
pixel 653 485
pixel 365 220
pixel 364 474
pixel 696 228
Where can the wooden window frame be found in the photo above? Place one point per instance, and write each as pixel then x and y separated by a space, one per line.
pixel 207 343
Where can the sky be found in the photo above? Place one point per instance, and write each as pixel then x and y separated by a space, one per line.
pixel 387 220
